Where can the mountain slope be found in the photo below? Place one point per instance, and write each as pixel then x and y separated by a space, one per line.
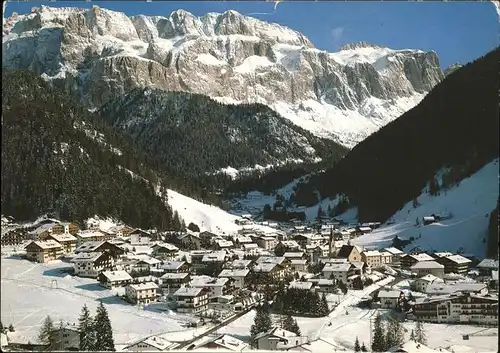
pixel 468 204
pixel 455 126
pixel 192 135
pixel 101 54
pixel 56 158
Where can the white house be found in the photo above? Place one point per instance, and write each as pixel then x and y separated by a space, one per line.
pixel 191 300
pixel 113 279
pixel 92 263
pixel 139 237
pixel 390 299
pixel 215 286
pixel 152 344
pixel 421 284
pixel 279 339
pixel 238 275
pixel 298 265
pixel 422 268
pixel 372 258
pixel 337 271
pixel 142 293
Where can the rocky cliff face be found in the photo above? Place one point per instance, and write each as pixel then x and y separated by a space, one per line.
pixel 101 54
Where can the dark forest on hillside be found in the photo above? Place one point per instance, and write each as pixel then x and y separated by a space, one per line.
pixel 456 125
pixel 50 164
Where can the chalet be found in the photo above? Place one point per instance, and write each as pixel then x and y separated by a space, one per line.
pixel 191 300
pixel 222 244
pixel 350 252
pixel 215 286
pixel 364 230
pixel 408 260
pixel 223 342
pixel 323 285
pixel 100 246
pixel 339 272
pixel 113 279
pixel 463 308
pixel 266 242
pixel 390 299
pixel 280 260
pixel 298 265
pixel 14 237
pixel 250 248
pixel 43 231
pixel 175 267
pixel 372 258
pixel 170 282
pixel 67 241
pixel 190 240
pixel 121 230
pixel 217 257
pixel 238 275
pixel 241 240
pixel 140 237
pixel 286 245
pixel 486 266
pixel 270 270
pixel 396 256
pixel 386 258
pixel 84 236
pixel 146 263
pixel 151 344
pixel 90 264
pixel 359 267
pixel 143 293
pixel 198 255
pixel 423 268
pixel 421 284
pixel 165 251
pixel 455 264
pixel 65 337
pixel 278 339
pixel 354 282
pixel 43 251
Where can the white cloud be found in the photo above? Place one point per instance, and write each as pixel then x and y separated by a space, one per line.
pixel 337 35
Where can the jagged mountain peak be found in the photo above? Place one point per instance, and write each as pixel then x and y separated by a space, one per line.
pixel 101 54
pixel 358 45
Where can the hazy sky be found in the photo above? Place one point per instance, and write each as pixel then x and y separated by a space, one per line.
pixel 457 31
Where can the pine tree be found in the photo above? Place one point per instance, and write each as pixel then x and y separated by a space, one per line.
pixel 86 328
pixel 103 331
pixel 394 334
pixel 412 335
pixel 295 328
pixel 357 347
pixel 420 333
pixel 363 348
pixel 378 343
pixel 324 305
pixel 262 322
pixel 46 331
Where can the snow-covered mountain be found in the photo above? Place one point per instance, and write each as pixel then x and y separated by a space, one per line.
pixel 102 54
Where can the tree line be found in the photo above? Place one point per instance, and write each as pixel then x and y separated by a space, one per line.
pixel 392 334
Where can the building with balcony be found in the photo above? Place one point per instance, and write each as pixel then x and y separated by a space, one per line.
pixel 191 300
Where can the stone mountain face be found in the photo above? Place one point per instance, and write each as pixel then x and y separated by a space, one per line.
pixel 101 54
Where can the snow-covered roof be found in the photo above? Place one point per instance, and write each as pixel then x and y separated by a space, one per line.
pixel 43 228
pixel 422 257
pixel 207 281
pixel 224 243
pixel 168 246
pixel 430 278
pixel 188 291
pixel 449 288
pixel 426 264
pixel 300 285
pixel 290 244
pixel 250 246
pixel 393 251
pixel 218 256
pixel 321 281
pixel 148 260
pixel 155 342
pixel 46 244
pixel 293 254
pixel 414 347
pixel 265 267
pixel 243 239
pixel 89 246
pixel 227 342
pixel 276 331
pixel 113 276
pixel 144 286
pixel 298 262
pixel 443 254
pixel 180 275
pixel 172 265
pixel 488 263
pixel 239 264
pixel 270 260
pixel 369 253
pixel 89 234
pixel 389 294
pixel 336 267
pixel 459 259
pixel 234 273
pixel 86 256
pixel 63 237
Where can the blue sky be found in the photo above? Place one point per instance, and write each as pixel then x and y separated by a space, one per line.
pixel 457 31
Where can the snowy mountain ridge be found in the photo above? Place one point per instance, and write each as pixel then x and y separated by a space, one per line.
pixel 101 54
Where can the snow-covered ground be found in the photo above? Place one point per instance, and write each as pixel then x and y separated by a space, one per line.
pixel 207 217
pixel 344 328
pixel 32 291
pixel 470 203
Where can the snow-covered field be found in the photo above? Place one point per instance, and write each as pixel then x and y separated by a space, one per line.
pixel 30 292
pixel 470 203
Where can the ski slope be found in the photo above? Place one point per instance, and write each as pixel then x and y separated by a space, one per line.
pixel 470 203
